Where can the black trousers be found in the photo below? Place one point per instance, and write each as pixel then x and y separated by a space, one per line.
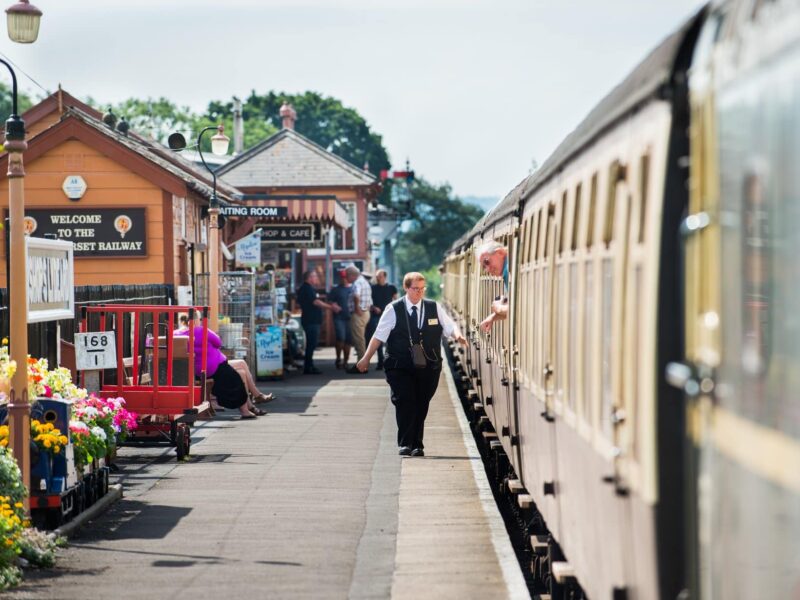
pixel 412 390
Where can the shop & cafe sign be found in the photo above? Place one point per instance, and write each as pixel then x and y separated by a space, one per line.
pixel 96 232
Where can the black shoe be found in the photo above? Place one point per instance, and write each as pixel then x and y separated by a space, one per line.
pixel 404 451
pixel 312 371
pixel 418 452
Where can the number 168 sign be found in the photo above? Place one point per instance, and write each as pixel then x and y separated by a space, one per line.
pixel 95 351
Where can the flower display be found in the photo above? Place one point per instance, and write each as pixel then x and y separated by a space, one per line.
pixel 47 437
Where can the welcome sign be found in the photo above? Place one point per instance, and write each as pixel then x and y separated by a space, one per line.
pixel 96 232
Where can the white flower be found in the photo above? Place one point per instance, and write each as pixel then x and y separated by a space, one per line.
pixel 98 432
pixel 90 411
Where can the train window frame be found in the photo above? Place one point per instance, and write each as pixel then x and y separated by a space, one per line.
pixel 561 221
pixel 590 225
pixel 644 182
pixel 576 213
pixel 614 177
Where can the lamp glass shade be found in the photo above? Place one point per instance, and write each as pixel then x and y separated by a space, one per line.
pixel 23 22
pixel 220 143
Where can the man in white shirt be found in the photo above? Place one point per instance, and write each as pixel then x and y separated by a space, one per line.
pixel 362 303
pixel 412 330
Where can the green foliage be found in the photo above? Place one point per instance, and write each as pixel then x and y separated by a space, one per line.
pixel 24 101
pixel 39 548
pixel 155 118
pixel 433 281
pixel 322 119
pixel 437 219
pixel 10 477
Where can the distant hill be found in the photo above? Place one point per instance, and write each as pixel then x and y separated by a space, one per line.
pixel 484 202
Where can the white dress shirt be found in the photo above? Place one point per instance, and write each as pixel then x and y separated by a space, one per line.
pixel 389 319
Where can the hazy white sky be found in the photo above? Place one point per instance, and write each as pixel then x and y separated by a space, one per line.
pixel 469 90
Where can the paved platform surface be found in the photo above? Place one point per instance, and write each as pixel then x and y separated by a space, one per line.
pixel 310 501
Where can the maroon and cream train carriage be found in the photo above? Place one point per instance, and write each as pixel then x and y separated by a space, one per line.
pixel 641 430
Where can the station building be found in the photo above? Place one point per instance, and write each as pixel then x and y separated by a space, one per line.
pixel 309 186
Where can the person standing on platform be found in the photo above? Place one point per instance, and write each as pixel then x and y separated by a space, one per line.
pixel 382 294
pixel 311 319
pixel 412 329
pixel 362 302
pixel 493 258
pixel 342 294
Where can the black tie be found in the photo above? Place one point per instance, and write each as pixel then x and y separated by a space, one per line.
pixel 414 324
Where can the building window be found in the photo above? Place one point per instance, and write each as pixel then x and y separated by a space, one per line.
pixel 345 239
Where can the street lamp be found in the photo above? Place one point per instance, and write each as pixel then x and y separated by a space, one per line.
pixel 23 22
pixel 219 146
pixel 23 26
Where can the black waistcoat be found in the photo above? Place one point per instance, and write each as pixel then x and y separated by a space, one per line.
pixel 398 347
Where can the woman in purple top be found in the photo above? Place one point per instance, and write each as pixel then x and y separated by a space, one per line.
pixel 228 386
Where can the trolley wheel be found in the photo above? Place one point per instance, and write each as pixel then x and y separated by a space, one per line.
pixel 183 440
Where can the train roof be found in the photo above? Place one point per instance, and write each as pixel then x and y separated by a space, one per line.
pixel 646 82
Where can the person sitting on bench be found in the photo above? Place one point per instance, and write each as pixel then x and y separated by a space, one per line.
pixel 229 388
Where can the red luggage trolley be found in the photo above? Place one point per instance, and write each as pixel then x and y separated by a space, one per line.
pixel 145 377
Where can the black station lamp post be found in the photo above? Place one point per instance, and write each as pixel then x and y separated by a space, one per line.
pixel 23 28
pixel 219 147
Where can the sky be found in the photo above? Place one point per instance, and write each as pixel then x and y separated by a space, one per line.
pixel 470 91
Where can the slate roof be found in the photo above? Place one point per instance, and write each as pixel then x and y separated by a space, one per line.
pixel 160 155
pixel 289 159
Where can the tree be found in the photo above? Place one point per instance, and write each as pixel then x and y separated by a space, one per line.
pixel 437 219
pixel 24 102
pixel 322 119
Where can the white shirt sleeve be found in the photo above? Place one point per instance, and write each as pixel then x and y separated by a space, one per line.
pixel 386 323
pixel 449 327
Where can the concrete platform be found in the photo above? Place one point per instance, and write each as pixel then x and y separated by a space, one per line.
pixel 310 501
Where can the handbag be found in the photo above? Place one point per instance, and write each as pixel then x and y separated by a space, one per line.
pixel 418 357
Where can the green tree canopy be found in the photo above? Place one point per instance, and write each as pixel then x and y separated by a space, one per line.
pixel 24 101
pixel 437 219
pixel 322 119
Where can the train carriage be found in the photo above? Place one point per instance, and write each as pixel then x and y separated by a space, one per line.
pixel 641 387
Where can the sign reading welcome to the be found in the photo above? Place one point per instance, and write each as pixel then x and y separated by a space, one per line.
pixel 96 232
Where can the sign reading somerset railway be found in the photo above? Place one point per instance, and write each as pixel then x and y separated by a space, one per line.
pixel 96 232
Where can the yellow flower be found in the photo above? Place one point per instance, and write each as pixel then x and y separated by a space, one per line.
pixel 19 505
pixel 47 444
pixel 5 341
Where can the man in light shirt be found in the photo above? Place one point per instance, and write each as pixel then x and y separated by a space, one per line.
pixel 493 257
pixel 408 322
pixel 362 303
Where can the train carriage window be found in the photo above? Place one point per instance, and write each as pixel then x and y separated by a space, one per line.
pixel 606 348
pixel 644 178
pixel 588 341
pixel 562 222
pixel 616 173
pixel 576 212
pixel 592 211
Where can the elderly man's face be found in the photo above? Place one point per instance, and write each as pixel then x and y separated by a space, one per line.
pixel 493 263
pixel 381 277
pixel 351 277
pixel 313 280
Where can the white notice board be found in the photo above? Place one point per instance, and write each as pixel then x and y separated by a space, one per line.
pixel 95 350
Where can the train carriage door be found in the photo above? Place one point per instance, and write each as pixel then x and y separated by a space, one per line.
pixel 624 307
pixel 549 317
pixel 511 372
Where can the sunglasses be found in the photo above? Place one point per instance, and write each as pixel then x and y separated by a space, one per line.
pixel 419 289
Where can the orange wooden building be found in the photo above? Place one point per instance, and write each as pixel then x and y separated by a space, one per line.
pixel 135 210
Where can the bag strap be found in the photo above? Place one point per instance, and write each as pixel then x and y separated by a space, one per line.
pixel 408 323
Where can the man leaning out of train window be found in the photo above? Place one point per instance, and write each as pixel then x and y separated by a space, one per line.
pixel 493 258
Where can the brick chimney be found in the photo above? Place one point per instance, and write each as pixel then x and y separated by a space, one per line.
pixel 288 115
